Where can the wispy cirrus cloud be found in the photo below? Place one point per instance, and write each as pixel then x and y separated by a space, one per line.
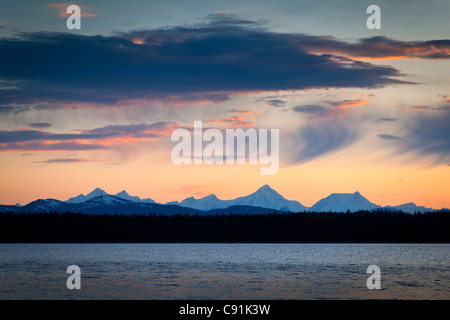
pixel 317 138
pixel 424 133
pixel 330 127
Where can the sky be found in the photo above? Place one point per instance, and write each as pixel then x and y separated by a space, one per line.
pixel 357 109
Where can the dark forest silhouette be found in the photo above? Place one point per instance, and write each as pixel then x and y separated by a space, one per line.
pixel 362 226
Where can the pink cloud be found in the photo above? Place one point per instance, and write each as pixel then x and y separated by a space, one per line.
pixel 62 10
pixel 241 120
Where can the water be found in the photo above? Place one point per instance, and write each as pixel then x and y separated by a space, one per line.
pixel 224 271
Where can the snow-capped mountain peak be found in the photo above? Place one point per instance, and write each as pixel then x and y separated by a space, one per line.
pixel 411 207
pixel 99 192
pixel 342 202
pixel 124 195
pixel 82 198
pixel 206 203
pixel 106 199
pixel 42 205
pixel 265 188
pixel 266 197
pixel 263 194
pixel 96 192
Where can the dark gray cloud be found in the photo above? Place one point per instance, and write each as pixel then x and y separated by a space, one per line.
pixel 329 108
pixel 40 125
pixel 39 140
pixel 387 119
pixel 41 146
pixel 19 136
pixel 388 137
pixel 153 130
pixel 276 102
pixel 224 54
pixel 65 160
pixel 13 109
pixel 314 110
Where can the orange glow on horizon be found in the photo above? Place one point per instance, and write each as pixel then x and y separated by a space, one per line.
pixel 381 183
pixel 381 57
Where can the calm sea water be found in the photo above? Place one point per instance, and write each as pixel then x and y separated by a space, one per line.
pixel 224 271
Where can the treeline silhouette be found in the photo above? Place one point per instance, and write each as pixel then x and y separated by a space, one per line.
pixel 362 226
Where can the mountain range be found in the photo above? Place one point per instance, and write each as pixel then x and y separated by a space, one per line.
pixel 264 197
pixel 264 200
pixel 99 192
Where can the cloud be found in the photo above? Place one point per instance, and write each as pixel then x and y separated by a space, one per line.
pixel 65 160
pixel 329 108
pixel 387 120
pixel 318 137
pixel 244 111
pixel 313 110
pixel 425 108
pixel 154 130
pixel 62 10
pixel 423 133
pixel 276 102
pixel 20 136
pixel 40 125
pixel 348 103
pixel 330 127
pixel 13 109
pixel 427 135
pixel 241 120
pixel 410 108
pixel 378 48
pixel 95 139
pixel 222 55
pixel 50 146
pixel 388 137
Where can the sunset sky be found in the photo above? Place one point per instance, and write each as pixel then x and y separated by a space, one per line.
pixel 357 109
